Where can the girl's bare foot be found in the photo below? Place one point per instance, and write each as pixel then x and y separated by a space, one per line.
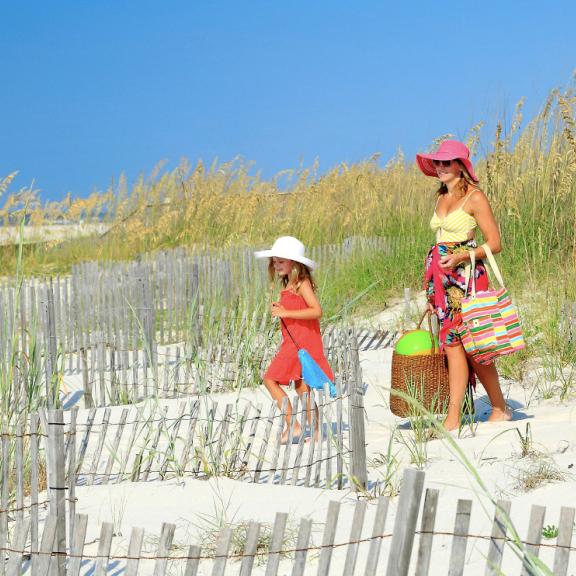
pixel 295 434
pixel 499 415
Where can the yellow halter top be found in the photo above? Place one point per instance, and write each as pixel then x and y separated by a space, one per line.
pixel 455 226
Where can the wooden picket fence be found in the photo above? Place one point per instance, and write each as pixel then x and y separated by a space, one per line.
pixel 107 320
pixel 200 439
pixel 368 550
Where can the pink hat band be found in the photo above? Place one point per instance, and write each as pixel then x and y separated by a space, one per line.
pixel 448 150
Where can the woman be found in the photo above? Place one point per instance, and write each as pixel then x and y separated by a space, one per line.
pixel 461 207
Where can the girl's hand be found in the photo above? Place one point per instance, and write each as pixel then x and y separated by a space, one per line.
pixel 430 308
pixel 450 261
pixel 278 311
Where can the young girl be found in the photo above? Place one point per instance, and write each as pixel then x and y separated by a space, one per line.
pixel 300 311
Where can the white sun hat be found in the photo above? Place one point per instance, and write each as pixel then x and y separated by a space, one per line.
pixel 287 247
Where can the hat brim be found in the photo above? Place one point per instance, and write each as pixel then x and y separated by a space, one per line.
pixel 271 253
pixel 426 163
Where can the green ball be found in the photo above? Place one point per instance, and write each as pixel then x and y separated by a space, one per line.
pixel 415 343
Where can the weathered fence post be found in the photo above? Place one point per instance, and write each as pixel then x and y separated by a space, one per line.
pixel 359 478
pixel 50 344
pixel 57 487
pixel 405 522
pixel 4 494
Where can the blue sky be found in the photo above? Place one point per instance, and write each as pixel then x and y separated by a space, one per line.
pixel 91 89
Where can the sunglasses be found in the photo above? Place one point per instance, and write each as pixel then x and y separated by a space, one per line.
pixel 444 163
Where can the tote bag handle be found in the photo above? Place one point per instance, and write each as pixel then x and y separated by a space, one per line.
pixel 469 271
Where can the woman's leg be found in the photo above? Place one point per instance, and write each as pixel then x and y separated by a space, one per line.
pixel 301 388
pixel 278 395
pixel 458 374
pixel 488 375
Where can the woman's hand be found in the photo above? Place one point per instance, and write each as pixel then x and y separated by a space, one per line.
pixel 278 311
pixel 451 261
pixel 430 308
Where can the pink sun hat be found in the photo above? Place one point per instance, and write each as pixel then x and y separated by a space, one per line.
pixel 448 150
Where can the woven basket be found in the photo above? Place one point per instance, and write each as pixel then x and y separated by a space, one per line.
pixel 424 378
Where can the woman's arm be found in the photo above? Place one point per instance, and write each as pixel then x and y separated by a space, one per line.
pixel 313 311
pixel 482 212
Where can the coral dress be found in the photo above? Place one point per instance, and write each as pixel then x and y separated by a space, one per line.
pixel 286 366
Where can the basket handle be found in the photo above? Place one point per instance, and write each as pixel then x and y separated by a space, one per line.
pixel 429 314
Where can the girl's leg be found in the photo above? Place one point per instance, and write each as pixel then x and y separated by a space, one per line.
pixel 458 374
pixel 488 375
pixel 278 395
pixel 302 387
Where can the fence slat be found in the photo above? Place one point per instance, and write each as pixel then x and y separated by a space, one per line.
pixel 57 484
pixel 101 440
pixel 301 547
pixel 18 544
pixel 104 546
pixel 426 529
pixel 533 538
pixel 290 439
pixel 221 554
pixel 113 455
pixel 152 452
pixel 4 493
pixel 194 412
pixel 459 540
pixel 328 538
pixel 252 535
pixel 71 472
pixel 171 449
pixel 564 539
pixel 355 536
pixel 300 447
pixel 264 443
pixel 276 543
pixel 497 538
pixel 193 561
pixel 405 522
pixel 85 439
pixel 312 443
pixel 34 476
pixel 134 549
pixel 19 473
pixel 322 432
pixel 377 532
pixel 164 544
pixel 77 547
pixel 276 446
pixel 359 478
pixel 47 545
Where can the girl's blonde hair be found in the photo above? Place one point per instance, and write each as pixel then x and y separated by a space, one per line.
pixel 463 186
pixel 298 274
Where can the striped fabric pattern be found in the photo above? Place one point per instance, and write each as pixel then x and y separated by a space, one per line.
pixel 454 227
pixel 490 325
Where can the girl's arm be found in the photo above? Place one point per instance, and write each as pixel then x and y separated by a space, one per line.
pixel 313 311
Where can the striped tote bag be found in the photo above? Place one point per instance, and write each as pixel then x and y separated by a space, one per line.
pixel 490 323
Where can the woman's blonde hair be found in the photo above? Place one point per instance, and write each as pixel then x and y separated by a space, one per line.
pixel 298 273
pixel 464 184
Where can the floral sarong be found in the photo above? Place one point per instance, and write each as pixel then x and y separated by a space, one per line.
pixel 445 288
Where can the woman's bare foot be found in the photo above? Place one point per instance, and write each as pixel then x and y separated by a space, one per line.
pixel 499 415
pixel 295 434
pixel 450 425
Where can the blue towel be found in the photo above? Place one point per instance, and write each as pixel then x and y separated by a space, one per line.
pixel 313 375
